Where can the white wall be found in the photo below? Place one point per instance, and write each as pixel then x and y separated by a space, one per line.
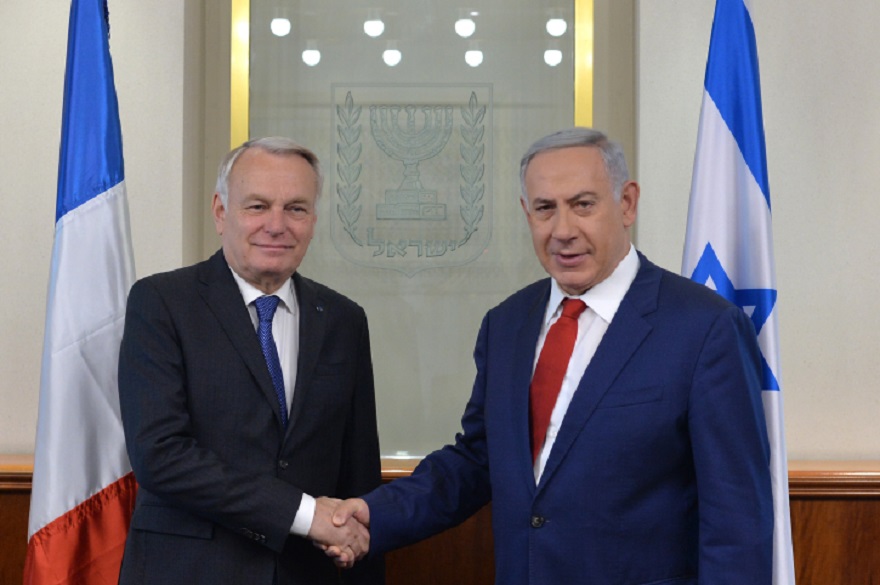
pixel 821 86
pixel 820 74
pixel 147 45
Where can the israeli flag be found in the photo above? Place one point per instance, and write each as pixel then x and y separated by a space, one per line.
pixel 729 243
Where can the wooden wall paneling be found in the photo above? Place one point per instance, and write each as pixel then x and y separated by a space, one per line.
pixel 836 542
pixel 835 519
pixel 460 555
pixel 835 522
pixel 15 501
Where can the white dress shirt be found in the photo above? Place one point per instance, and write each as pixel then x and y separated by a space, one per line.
pixel 602 302
pixel 285 331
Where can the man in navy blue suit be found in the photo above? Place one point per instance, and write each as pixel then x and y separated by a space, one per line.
pixel 654 466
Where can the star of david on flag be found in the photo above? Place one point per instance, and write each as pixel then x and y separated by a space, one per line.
pixel 758 303
pixel 729 244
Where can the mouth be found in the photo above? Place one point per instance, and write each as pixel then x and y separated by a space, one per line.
pixel 274 247
pixel 568 259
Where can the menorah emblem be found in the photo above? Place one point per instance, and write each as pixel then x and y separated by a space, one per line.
pixel 411 146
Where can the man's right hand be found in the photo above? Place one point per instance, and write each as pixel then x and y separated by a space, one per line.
pixel 344 538
pixel 353 511
pixel 352 508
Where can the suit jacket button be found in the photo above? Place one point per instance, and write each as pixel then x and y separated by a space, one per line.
pixel 283 464
pixel 537 521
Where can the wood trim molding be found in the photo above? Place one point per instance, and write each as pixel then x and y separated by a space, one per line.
pixel 838 479
pixel 16 473
pixel 806 479
pixel 395 467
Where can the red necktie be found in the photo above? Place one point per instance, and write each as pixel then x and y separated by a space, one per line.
pixel 551 368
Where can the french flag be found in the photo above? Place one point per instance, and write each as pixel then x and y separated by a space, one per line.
pixel 83 488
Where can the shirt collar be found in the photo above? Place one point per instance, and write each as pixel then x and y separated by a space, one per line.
pixel 250 293
pixel 605 297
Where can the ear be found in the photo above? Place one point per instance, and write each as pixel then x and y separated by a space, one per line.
pixel 219 213
pixel 629 202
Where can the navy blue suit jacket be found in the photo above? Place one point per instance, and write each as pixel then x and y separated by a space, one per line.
pixel 219 480
pixel 660 471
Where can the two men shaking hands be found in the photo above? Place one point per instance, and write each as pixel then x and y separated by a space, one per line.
pixel 615 421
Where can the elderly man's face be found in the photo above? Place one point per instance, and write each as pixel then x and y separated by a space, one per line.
pixel 269 218
pixel 580 233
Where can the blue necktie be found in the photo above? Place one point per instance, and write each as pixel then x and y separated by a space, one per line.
pixel 266 306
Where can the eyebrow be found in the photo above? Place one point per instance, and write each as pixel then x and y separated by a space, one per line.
pixel 576 197
pixel 300 198
pixel 583 195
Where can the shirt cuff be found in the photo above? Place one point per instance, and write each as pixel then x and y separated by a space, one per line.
pixel 302 522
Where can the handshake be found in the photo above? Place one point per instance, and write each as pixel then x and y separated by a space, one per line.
pixel 341 529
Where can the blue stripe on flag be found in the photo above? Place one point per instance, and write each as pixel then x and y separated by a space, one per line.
pixel 732 80
pixel 90 160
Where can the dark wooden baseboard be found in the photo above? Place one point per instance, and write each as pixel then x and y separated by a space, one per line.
pixel 15 500
pixel 835 522
pixel 835 525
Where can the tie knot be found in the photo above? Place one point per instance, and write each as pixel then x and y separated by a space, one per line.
pixel 572 308
pixel 266 306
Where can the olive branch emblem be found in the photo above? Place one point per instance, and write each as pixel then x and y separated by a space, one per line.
pixel 472 167
pixel 348 168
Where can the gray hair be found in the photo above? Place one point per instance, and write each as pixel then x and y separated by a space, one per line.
pixel 612 155
pixel 273 145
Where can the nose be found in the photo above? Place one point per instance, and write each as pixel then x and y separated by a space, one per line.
pixel 275 221
pixel 563 225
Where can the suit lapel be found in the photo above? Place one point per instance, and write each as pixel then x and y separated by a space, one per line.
pixel 526 341
pixel 312 327
pixel 625 334
pixel 221 294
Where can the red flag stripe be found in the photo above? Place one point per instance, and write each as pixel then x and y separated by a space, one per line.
pixel 84 545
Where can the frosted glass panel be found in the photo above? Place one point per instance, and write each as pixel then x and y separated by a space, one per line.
pixel 420 129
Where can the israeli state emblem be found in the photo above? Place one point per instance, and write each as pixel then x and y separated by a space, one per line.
pixel 412 175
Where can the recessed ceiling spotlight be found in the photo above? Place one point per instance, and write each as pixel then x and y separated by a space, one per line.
pixel 374 27
pixel 556 27
pixel 280 27
pixel 465 27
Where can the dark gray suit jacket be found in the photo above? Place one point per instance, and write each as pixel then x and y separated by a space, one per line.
pixel 220 483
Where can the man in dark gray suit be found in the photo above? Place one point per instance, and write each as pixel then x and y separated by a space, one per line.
pixel 247 396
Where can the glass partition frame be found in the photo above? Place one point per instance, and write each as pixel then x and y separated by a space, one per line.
pixel 240 75
pixel 240 67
